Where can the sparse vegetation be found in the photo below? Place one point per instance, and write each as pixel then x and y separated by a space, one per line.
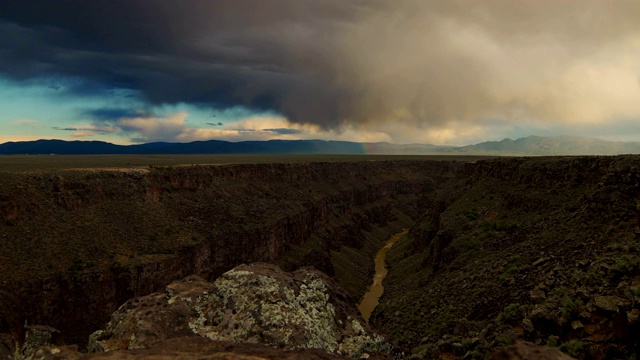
pixel 571 308
pixel 556 233
pixel 513 314
pixel 506 338
pixel 542 249
pixel 471 215
pixel 575 348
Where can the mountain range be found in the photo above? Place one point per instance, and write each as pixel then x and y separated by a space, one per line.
pixel 532 145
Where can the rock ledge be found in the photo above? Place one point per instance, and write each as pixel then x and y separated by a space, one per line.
pixel 257 303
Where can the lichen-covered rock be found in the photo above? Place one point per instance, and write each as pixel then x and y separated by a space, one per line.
pixel 35 337
pixel 256 303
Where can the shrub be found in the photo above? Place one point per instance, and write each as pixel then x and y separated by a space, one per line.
pixel 552 341
pixel 439 322
pixel 471 243
pixel 506 338
pixel 512 269
pixel 575 348
pixel 571 308
pixel 512 314
pixel 471 215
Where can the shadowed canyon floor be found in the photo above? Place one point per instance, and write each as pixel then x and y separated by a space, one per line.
pixel 538 249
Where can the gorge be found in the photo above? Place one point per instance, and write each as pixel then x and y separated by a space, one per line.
pixel 537 249
pixel 102 237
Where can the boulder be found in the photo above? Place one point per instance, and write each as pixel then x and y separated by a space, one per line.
pixel 537 296
pixel 256 303
pixel 607 304
pixel 37 336
pixel 544 319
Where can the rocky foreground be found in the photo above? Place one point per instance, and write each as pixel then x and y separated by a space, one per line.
pixel 251 312
pixel 250 304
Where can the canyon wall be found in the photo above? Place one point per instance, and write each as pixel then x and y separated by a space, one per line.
pixel 537 249
pixel 77 244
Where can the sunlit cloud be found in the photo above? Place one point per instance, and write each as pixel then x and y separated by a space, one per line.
pixel 81 134
pixel 435 71
pixel 140 127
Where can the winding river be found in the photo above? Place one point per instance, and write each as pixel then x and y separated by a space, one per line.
pixel 370 299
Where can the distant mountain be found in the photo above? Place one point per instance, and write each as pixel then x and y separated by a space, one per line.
pixel 61 147
pixel 555 145
pixel 216 147
pixel 532 145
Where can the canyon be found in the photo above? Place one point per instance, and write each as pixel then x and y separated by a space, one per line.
pixel 78 243
pixel 497 251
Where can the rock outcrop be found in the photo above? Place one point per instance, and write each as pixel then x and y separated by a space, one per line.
pixel 257 303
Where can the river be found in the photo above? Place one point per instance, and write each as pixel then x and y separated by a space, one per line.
pixel 371 298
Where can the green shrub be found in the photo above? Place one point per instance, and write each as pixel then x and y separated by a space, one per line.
pixel 624 266
pixel 575 348
pixel 440 321
pixel 471 215
pixel 571 308
pixel 512 314
pixel 506 338
pixel 471 243
pixel 552 341
pixel 510 271
pixel 506 226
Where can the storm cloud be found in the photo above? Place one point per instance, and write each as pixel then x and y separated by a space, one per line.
pixel 337 64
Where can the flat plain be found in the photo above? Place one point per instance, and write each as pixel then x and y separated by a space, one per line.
pixel 9 163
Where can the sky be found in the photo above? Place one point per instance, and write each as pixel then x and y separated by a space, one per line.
pixel 446 72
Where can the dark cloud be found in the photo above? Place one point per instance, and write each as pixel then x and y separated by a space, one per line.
pixel 221 53
pixel 111 114
pixel 284 131
pixel 88 130
pixel 426 63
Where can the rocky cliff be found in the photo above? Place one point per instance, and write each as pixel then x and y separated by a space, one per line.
pixel 537 249
pixel 77 244
pixel 540 249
